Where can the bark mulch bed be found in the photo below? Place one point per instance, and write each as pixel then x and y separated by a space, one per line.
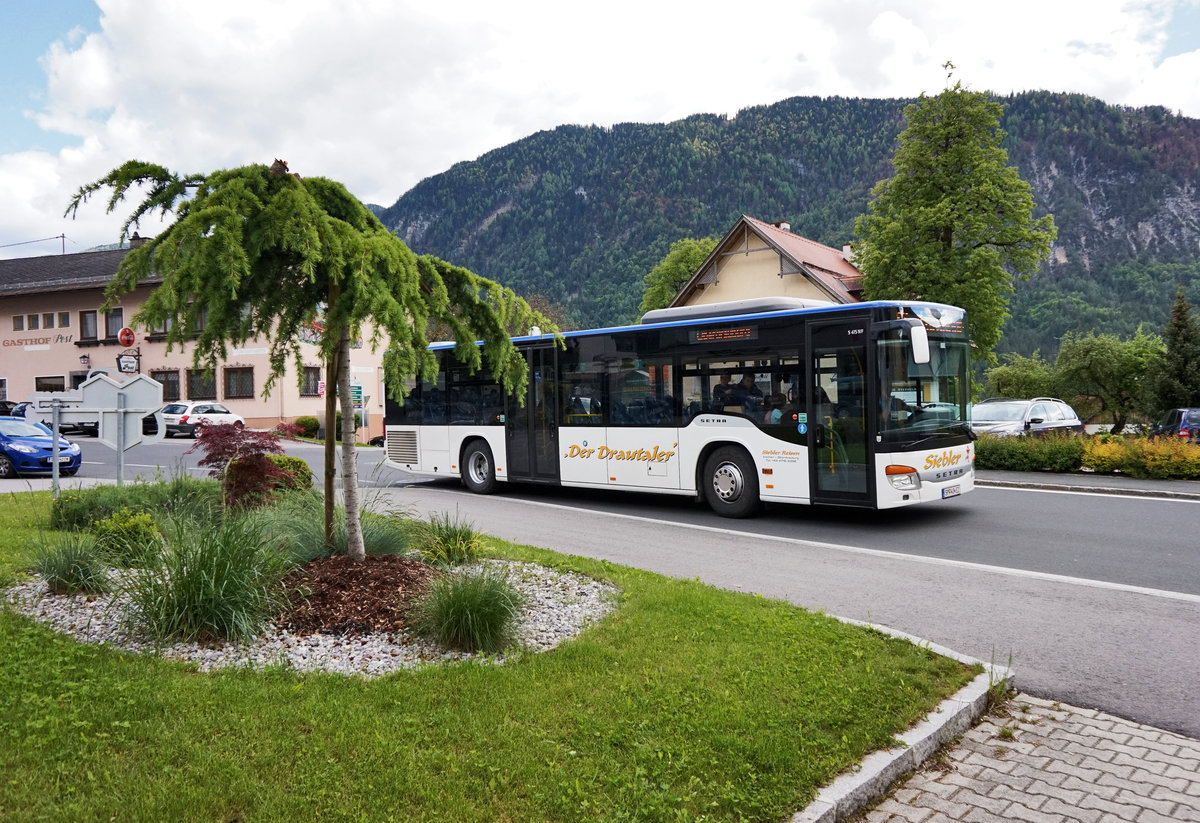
pixel 342 596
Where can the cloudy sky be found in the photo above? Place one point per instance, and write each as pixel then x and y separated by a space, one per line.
pixel 380 94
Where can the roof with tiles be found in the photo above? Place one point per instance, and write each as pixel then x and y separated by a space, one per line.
pixel 59 272
pixel 818 257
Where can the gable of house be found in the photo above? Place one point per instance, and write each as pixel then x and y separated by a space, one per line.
pixel 757 259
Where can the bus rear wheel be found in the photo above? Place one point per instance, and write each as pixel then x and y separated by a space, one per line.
pixel 478 468
pixel 730 485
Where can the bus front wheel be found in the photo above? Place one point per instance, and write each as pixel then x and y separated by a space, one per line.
pixel 478 469
pixel 730 484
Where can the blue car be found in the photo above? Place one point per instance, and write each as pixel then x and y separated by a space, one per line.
pixel 26 448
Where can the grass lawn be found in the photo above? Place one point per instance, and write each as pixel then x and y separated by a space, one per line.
pixel 688 703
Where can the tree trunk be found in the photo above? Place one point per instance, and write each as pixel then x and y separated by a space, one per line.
pixel 331 382
pixel 355 549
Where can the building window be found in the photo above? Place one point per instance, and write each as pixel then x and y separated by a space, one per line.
pixel 163 327
pixel 87 325
pixel 239 382
pixel 48 320
pixel 201 320
pixel 170 384
pixel 202 384
pixel 31 322
pixel 64 320
pixel 3 388
pixel 18 322
pixel 311 387
pixel 56 383
pixel 114 321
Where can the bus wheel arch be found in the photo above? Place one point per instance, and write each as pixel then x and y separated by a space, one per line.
pixel 729 481
pixel 478 467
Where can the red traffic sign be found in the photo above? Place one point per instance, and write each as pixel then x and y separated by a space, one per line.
pixel 125 337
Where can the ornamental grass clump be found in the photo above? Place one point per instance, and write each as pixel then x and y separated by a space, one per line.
pixel 218 581
pixel 298 522
pixel 73 565
pixel 452 541
pixel 475 611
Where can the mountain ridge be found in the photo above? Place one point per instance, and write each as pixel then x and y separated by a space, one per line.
pixel 579 214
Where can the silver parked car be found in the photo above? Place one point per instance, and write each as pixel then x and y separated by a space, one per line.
pixel 187 418
pixel 1041 415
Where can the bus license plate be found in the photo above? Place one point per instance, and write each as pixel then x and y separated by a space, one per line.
pixel 951 491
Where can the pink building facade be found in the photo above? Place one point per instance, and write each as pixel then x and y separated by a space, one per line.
pixel 52 333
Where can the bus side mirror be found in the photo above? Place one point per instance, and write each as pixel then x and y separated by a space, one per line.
pixel 918 334
pixel 920 343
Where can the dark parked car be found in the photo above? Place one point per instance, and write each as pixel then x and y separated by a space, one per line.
pixel 1041 415
pixel 26 447
pixel 1183 423
pixel 27 411
pixel 6 407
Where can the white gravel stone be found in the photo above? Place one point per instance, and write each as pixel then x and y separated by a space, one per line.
pixel 558 605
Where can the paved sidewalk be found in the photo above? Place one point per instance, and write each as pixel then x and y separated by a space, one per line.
pixel 1046 762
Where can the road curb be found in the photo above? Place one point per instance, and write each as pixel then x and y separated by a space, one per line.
pixel 1071 487
pixel 854 791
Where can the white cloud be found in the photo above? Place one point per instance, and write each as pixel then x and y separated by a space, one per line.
pixel 379 94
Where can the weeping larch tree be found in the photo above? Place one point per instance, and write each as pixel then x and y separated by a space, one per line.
pixel 260 253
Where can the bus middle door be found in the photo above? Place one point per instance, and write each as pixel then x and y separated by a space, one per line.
pixel 531 430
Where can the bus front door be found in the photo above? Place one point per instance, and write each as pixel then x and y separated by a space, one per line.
pixel 841 453
pixel 531 429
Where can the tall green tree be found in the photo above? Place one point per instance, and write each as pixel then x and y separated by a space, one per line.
pixel 1110 374
pixel 261 253
pixel 1021 377
pixel 1177 379
pixel 955 224
pixel 672 272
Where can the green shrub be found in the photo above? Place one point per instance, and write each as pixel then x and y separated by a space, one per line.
pixel 127 538
pixel 78 509
pixel 213 581
pixel 451 541
pixel 308 425
pixel 71 565
pixel 298 475
pixel 470 612
pixel 1052 452
pixel 337 425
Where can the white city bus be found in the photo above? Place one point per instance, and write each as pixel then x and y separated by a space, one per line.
pixel 775 399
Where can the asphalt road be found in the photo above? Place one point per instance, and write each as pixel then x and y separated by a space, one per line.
pixel 1093 599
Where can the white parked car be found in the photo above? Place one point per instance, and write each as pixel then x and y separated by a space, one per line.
pixel 187 418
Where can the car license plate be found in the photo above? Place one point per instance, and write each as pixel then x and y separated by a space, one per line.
pixel 64 460
pixel 951 491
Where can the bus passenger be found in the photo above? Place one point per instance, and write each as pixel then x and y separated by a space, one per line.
pixel 721 392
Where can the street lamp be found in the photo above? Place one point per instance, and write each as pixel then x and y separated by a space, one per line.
pixel 84 360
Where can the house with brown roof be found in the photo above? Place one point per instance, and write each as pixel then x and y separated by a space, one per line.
pixel 757 259
pixel 54 332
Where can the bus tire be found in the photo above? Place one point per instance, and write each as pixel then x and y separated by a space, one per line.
pixel 730 484
pixel 478 468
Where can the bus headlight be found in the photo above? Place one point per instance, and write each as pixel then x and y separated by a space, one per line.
pixel 903 478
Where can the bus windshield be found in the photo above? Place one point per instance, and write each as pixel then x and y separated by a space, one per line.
pixel 918 401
